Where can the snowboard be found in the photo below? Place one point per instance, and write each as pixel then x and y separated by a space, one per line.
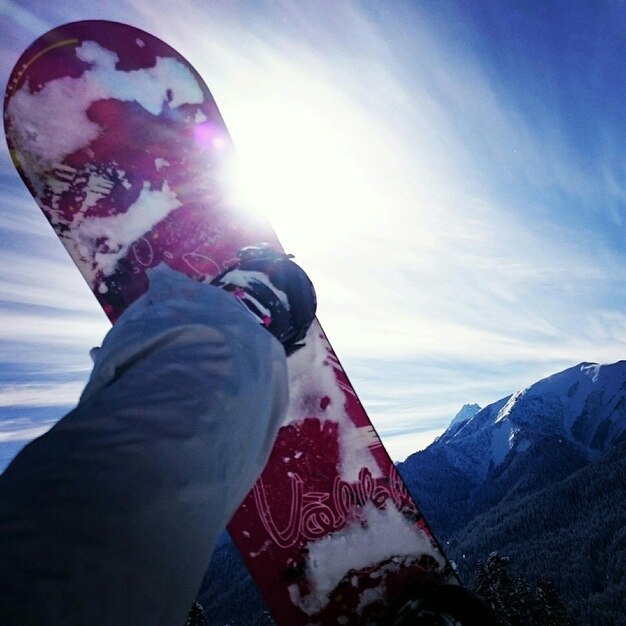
pixel 122 146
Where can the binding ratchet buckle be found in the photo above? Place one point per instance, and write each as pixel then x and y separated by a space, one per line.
pixel 261 252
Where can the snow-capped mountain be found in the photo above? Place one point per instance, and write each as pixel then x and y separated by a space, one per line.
pixel 538 476
pixel 584 405
pixel 467 412
pixel 520 443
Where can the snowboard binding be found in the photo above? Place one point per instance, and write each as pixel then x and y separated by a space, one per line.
pixel 275 290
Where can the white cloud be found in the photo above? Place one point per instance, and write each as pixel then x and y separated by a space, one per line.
pixel 23 17
pixel 44 282
pixel 23 434
pixel 402 445
pixel 40 395
pixel 49 330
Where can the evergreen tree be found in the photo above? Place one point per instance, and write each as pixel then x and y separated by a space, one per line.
pixel 516 602
pixel 553 609
pixel 196 616
pixel 493 584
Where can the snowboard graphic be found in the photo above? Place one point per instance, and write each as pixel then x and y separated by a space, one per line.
pixel 120 143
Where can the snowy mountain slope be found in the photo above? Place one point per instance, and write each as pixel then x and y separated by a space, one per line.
pixel 538 476
pixel 584 405
pixel 571 532
pixel 519 444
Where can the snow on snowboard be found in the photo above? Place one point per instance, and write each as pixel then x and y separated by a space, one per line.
pixel 123 148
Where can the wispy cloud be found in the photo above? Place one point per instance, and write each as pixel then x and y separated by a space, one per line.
pixel 451 225
pixel 21 425
pixel 9 434
pixel 23 17
pixel 48 330
pixel 40 395
pixel 41 281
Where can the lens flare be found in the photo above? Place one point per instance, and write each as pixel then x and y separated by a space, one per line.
pixel 210 135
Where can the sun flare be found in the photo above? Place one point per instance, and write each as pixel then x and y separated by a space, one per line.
pixel 302 162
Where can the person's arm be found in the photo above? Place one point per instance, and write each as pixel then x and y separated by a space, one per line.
pixel 110 517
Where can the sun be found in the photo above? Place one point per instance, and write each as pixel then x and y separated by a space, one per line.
pixel 300 162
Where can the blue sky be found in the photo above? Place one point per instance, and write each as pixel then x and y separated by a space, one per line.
pixel 451 174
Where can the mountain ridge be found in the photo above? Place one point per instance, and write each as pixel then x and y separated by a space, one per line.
pixel 539 476
pixel 585 404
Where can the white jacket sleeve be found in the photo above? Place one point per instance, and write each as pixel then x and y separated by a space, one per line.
pixel 110 517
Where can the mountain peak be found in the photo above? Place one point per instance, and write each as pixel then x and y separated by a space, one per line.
pixel 467 412
pixel 544 463
pixel 584 405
